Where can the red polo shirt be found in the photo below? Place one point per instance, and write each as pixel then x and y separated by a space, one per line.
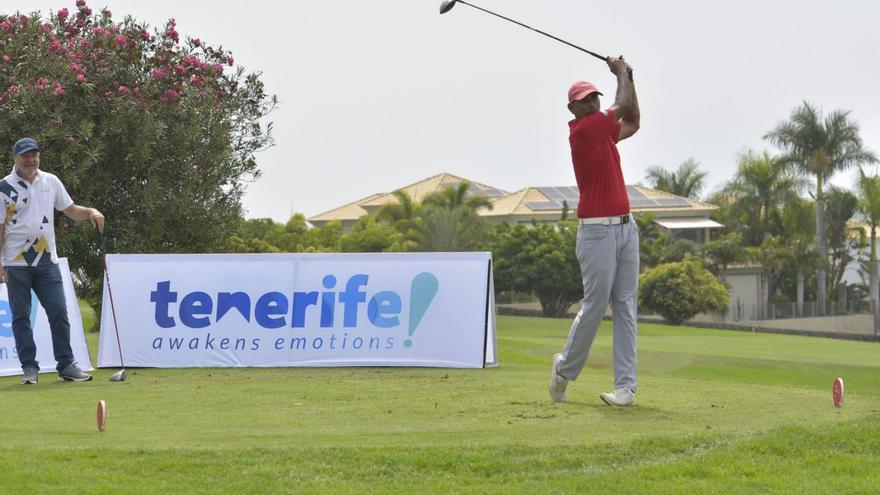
pixel 597 165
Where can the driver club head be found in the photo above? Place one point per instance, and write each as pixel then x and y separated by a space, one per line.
pixel 119 376
pixel 447 6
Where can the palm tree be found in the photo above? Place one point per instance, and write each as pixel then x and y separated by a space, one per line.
pixel 840 207
pixel 869 207
pixel 801 254
pixel 405 209
pixel 687 181
pixel 723 252
pixel 771 254
pixel 760 189
pixel 453 196
pixel 401 215
pixel 448 221
pixel 820 148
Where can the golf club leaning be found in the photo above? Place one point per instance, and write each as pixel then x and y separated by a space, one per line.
pixel 119 376
pixel 447 5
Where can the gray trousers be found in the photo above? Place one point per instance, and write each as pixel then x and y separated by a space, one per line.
pixel 609 259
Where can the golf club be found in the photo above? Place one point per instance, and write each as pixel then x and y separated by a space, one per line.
pixel 447 5
pixel 119 376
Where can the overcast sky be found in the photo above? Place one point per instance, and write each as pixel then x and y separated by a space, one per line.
pixel 375 95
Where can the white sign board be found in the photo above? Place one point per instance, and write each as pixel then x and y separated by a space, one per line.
pixel 374 309
pixel 9 364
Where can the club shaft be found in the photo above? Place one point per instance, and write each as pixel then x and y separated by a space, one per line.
pixel 600 57
pixel 113 312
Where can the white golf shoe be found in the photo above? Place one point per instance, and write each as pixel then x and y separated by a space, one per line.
pixel 620 397
pixel 557 381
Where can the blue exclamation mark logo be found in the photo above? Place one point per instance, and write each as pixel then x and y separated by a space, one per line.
pixel 422 291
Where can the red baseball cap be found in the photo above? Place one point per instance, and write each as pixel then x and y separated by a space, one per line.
pixel 581 90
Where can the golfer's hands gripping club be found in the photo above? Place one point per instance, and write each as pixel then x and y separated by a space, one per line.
pixel 618 65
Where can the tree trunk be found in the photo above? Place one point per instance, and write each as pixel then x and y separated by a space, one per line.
pixel 872 276
pixel 555 304
pixel 765 295
pixel 820 247
pixel 800 292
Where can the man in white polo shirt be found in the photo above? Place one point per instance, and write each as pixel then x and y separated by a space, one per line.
pixel 28 200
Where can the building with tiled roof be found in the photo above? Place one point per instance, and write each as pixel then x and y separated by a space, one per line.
pixel 684 216
pixel 349 214
pixel 346 214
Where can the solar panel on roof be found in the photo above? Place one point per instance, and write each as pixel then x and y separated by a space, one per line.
pixel 672 202
pixel 632 192
pixel 551 192
pixel 492 192
pixel 571 193
pixel 642 203
pixel 543 205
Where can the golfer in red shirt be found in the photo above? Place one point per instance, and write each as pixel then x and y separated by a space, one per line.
pixel 608 238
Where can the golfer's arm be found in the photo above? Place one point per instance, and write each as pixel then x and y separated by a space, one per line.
pixel 623 98
pixel 629 115
pixel 629 123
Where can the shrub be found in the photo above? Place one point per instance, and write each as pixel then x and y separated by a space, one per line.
pixel 540 260
pixel 679 291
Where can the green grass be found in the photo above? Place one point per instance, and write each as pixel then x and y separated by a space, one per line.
pixel 718 411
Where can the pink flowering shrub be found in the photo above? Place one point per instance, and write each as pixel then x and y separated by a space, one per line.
pixel 152 131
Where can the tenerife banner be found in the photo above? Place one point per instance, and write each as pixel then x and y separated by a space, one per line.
pixel 366 309
pixel 9 364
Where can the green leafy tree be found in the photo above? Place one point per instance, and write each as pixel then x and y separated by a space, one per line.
pixel 675 249
pixel 652 240
pixel 325 239
pixel 158 133
pixel 799 234
pixel 295 234
pixel 403 217
pixel 802 256
pixel 868 188
pixel 679 291
pixel 820 148
pixel 687 181
pixel 368 235
pixel 842 239
pixel 771 255
pixel 799 218
pixel 723 252
pixel 447 220
pixel 657 246
pixel 759 190
pixel 540 260
pixel 250 245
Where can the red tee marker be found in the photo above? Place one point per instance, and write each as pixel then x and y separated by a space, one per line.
pixel 102 415
pixel 837 391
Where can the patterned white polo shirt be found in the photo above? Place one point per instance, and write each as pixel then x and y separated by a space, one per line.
pixel 27 214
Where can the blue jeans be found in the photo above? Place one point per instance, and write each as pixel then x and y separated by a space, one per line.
pixel 45 281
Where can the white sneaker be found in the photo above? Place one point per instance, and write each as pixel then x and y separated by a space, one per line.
pixel 620 397
pixel 557 381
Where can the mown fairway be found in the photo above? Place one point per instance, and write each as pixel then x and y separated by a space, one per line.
pixel 718 411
